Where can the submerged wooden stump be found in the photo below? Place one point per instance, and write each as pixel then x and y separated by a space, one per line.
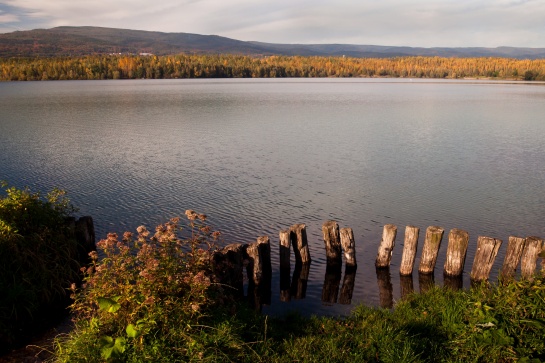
pixel 285 294
pixel 529 257
pixel 349 247
pixel 298 236
pixel 386 247
pixel 332 241
pixel 432 242
pixel 284 237
pixel 487 250
pixel 515 247
pixel 410 247
pixel 259 266
pixel 227 264
pixel 85 236
pixel 458 241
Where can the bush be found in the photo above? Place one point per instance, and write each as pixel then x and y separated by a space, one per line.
pixel 38 260
pixel 147 297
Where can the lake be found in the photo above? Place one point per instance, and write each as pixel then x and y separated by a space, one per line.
pixel 258 155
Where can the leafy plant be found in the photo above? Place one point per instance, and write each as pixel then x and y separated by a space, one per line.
pixel 37 259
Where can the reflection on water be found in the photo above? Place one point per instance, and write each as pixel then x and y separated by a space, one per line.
pixel 258 156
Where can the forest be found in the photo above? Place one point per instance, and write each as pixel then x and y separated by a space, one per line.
pixel 118 66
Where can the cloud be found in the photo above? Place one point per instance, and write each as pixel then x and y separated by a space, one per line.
pixel 387 22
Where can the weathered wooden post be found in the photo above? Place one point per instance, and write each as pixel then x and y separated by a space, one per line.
pixel 406 285
pixel 264 246
pixel 298 236
pixel 410 246
pixel 432 242
pixel 332 280
pixel 259 260
pixel 458 241
pixel 349 281
pixel 529 256
pixel 515 247
pixel 228 264
pixel 285 265
pixel 349 247
pixel 284 237
pixel 386 247
pixel 487 250
pixel 385 288
pixel 332 241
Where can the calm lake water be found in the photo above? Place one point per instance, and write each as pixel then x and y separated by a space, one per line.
pixel 260 155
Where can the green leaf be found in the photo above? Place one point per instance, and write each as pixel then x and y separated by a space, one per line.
pixel 111 348
pixel 109 305
pixel 132 331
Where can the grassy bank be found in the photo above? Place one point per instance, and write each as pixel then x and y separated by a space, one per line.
pixel 161 303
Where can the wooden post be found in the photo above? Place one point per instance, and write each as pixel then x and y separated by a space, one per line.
pixel 487 249
pixel 332 279
pixel 348 284
pixel 349 247
pixel 409 250
pixel 284 237
pixel 456 252
pixel 255 265
pixel 264 245
pixel 332 241
pixel 386 247
pixel 385 288
pixel 432 242
pixel 512 257
pixel 529 256
pixel 298 236
pixel 227 264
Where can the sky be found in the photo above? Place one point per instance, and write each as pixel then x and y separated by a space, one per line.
pixel 415 23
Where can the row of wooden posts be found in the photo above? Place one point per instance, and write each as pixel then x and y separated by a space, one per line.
pixel 523 250
pixel 256 257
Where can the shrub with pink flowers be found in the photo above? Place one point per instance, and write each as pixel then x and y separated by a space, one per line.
pixel 147 292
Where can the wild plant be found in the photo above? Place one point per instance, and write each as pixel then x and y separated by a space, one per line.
pixel 148 293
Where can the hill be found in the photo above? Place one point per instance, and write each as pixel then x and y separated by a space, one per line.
pixel 77 41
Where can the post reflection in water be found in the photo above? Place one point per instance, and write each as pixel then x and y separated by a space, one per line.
pixel 299 280
pixel 332 280
pixel 348 285
pixel 385 288
pixel 285 293
pixel 426 282
pixel 406 285
pixel 453 282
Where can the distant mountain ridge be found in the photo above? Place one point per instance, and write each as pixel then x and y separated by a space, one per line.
pixel 86 40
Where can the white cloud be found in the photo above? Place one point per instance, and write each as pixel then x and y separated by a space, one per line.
pixel 387 22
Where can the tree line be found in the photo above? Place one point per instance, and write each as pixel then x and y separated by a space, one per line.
pixel 233 66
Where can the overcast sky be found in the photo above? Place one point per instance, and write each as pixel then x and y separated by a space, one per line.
pixel 424 23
